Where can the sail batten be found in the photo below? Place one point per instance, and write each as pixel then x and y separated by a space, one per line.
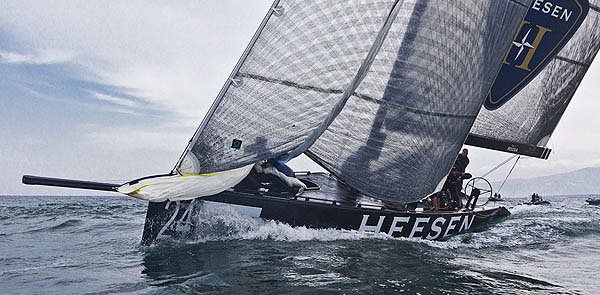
pixel 572 61
pixel 355 94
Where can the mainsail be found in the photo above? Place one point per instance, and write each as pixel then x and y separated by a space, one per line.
pixel 400 132
pixel 525 123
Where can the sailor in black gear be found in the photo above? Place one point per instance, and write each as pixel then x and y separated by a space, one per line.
pixel 453 186
pixel 462 161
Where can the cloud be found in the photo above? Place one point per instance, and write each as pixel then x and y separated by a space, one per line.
pixel 114 99
pixel 171 54
pixel 41 57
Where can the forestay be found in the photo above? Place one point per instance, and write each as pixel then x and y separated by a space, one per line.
pixel 528 120
pixel 401 130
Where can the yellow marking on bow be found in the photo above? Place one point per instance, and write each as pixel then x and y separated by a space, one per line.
pixel 135 192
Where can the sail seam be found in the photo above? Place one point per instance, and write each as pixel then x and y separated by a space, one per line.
pixel 595 8
pixel 355 94
pixel 411 110
pixel 572 61
pixel 519 3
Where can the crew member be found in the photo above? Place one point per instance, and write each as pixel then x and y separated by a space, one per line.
pixel 277 167
pixel 453 186
pixel 279 163
pixel 462 161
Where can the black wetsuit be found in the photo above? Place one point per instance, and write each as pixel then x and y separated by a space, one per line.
pixel 461 163
pixel 453 185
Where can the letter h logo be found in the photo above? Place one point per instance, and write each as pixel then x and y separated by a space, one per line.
pixel 523 48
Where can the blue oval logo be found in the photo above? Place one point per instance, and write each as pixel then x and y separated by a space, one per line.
pixel 545 30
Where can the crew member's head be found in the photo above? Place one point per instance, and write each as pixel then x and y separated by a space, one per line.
pixel 465 152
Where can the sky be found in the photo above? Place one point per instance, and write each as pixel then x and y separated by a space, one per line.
pixel 113 90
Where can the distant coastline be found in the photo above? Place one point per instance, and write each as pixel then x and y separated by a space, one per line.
pixel 580 182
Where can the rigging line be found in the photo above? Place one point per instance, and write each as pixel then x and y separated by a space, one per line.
pixel 594 7
pixel 499 165
pixel 509 172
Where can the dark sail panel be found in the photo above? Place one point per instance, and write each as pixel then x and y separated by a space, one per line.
pixel 400 132
pixel 525 123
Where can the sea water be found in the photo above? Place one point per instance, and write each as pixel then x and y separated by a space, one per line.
pixel 91 245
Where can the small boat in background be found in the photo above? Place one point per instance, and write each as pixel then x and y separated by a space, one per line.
pixel 593 201
pixel 496 198
pixel 538 203
pixel 537 200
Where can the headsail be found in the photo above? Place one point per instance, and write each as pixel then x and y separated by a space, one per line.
pixel 300 62
pixel 400 132
pixel 524 124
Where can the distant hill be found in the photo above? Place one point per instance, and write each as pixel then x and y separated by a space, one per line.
pixel 579 182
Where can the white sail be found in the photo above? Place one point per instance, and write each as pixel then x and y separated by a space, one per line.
pixel 186 187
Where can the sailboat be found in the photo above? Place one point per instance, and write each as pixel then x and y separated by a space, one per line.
pixel 381 94
pixel 592 201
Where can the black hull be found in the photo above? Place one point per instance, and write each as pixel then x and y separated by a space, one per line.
pixel 329 207
pixel 537 203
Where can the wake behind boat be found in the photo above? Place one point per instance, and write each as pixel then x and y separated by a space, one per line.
pixel 366 92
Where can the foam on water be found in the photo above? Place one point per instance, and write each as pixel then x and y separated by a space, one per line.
pixel 221 222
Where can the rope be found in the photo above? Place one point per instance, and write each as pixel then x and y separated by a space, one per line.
pixel 500 165
pixel 509 172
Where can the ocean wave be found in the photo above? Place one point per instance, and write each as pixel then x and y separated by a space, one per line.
pixel 63 225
